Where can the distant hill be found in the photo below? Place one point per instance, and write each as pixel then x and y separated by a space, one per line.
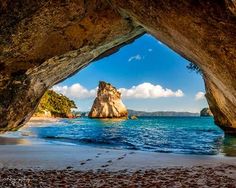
pixel 53 104
pixel 160 113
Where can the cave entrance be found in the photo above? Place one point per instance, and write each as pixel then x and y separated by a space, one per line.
pixel 150 76
pixel 156 87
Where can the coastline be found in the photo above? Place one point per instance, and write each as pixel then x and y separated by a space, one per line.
pixel 33 162
pixel 85 166
pixel 43 120
pixel 57 156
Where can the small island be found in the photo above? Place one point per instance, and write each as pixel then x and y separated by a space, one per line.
pixel 108 103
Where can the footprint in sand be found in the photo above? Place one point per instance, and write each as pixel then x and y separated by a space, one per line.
pixel 69 167
pixel 98 155
pixel 106 165
pixel 84 162
pixel 120 158
pixel 110 161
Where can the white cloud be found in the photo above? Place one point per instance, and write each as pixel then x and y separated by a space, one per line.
pixel 136 57
pixel 75 91
pixel 149 91
pixel 141 91
pixel 199 95
pixel 150 50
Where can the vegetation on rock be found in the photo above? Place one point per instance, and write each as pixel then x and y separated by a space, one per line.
pixel 57 104
pixel 193 67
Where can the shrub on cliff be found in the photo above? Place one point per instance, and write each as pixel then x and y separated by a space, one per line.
pixel 57 104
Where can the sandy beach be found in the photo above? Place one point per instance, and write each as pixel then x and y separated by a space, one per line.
pixel 29 162
pixel 42 120
pixel 75 166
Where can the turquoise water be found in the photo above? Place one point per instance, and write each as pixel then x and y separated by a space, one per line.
pixel 187 135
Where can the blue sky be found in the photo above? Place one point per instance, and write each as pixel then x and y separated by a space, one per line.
pixel 146 60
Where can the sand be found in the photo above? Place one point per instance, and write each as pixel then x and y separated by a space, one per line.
pixel 220 176
pixel 50 165
pixel 42 120
pixel 37 163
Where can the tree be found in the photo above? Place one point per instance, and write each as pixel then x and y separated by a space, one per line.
pixel 58 104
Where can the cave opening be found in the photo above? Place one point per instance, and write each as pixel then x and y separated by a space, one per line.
pixel 146 64
pixel 44 42
pixel 155 82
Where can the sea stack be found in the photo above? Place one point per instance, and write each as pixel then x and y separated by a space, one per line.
pixel 205 112
pixel 108 103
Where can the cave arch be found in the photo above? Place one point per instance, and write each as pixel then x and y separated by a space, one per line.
pixel 43 42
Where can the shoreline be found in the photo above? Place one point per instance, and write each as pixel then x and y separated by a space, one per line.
pixel 57 156
pixel 28 161
pixel 85 166
pixel 42 120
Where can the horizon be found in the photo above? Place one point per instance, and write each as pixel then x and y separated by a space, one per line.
pixel 158 80
pixel 149 111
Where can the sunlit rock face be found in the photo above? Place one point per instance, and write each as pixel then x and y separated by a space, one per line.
pixel 108 103
pixel 204 33
pixel 43 42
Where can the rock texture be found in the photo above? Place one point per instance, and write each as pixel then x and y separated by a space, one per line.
pixel 42 42
pixel 108 103
pixel 206 112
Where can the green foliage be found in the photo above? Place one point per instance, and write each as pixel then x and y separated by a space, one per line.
pixel 55 103
pixel 194 67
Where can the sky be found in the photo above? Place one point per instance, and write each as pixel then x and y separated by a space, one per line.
pixel 149 75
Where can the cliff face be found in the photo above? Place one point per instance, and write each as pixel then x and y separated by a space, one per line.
pixel 42 42
pixel 108 103
pixel 206 112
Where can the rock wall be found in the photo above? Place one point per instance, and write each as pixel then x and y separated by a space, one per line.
pixel 43 42
pixel 108 103
pixel 203 32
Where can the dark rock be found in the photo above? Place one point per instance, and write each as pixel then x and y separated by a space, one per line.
pixel 206 112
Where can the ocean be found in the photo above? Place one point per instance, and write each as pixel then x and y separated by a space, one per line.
pixel 184 135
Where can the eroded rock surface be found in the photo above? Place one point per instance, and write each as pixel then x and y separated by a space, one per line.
pixel 42 42
pixel 108 103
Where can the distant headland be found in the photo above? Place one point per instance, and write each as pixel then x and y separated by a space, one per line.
pixel 53 105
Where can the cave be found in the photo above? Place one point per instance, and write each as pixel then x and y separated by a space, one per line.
pixel 44 42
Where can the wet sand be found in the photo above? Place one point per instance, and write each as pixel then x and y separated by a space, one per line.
pixel 47 165
pixel 37 163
